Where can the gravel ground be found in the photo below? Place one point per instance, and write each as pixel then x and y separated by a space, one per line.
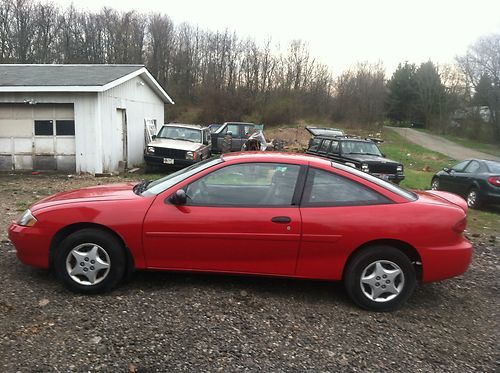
pixel 185 322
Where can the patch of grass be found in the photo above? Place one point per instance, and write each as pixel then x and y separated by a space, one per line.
pixel 484 221
pixel 420 163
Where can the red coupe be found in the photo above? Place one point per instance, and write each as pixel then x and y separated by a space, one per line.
pixel 253 213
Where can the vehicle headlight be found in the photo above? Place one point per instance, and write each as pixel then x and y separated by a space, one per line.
pixel 191 155
pixel 151 149
pixel 365 168
pixel 27 219
pixel 350 164
pixel 399 168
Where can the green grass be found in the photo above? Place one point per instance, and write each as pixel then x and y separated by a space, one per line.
pixel 420 163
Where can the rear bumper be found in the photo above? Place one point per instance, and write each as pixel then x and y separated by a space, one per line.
pixel 159 161
pixel 32 245
pixel 444 262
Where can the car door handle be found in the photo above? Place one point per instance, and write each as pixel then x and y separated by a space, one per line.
pixel 281 219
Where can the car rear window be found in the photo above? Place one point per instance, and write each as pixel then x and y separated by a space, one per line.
pixel 494 167
pixel 407 194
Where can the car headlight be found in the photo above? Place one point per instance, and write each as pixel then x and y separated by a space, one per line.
pixel 365 168
pixel 191 155
pixel 399 168
pixel 151 149
pixel 350 164
pixel 27 219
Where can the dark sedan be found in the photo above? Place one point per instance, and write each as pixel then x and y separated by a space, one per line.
pixel 477 180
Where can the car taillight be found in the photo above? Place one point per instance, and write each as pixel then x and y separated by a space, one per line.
pixel 460 226
pixel 494 180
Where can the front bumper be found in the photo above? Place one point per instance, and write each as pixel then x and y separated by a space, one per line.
pixel 160 161
pixel 32 245
pixel 444 262
pixel 395 178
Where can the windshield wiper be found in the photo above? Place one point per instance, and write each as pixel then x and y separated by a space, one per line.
pixel 142 186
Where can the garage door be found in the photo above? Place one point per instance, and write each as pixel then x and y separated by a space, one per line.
pixel 37 137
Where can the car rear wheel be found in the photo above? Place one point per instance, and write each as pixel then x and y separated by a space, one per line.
pixel 473 200
pixel 380 278
pixel 435 184
pixel 90 261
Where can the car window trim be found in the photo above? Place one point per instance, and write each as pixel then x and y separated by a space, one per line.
pixel 294 202
pixel 308 188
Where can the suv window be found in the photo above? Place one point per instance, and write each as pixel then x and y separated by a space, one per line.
pixel 360 147
pixel 314 144
pixel 247 184
pixel 335 147
pixel 327 189
pixel 324 146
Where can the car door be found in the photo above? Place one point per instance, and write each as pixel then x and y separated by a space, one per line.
pixel 338 215
pixel 448 180
pixel 238 218
pixel 466 178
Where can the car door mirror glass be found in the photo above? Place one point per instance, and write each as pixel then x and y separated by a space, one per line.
pixel 446 169
pixel 179 197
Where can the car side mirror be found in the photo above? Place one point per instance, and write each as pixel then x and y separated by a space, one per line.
pixel 383 155
pixel 153 137
pixel 179 197
pixel 446 169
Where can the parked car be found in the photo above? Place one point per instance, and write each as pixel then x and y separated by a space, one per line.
pixel 477 180
pixel 272 214
pixel 178 145
pixel 356 152
pixel 231 136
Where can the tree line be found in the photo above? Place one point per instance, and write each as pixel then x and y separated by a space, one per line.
pixel 217 76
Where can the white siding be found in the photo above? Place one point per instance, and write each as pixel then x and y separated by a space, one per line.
pixel 140 102
pixel 88 147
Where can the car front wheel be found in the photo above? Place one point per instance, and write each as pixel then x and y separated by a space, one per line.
pixel 380 278
pixel 435 184
pixel 90 261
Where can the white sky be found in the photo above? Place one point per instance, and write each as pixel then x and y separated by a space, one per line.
pixel 339 33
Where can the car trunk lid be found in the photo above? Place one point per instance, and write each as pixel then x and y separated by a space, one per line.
pixel 435 196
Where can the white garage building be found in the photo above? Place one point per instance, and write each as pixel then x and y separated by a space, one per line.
pixel 83 118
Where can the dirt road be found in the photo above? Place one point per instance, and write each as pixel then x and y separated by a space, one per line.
pixel 441 145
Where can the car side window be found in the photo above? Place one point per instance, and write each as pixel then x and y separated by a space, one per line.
pixel 472 167
pixel 324 146
pixel 314 145
pixel 234 129
pixel 334 147
pixel 328 189
pixel 460 167
pixel 246 184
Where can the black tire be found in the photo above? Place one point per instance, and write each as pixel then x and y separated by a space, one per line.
pixel 109 251
pixel 390 259
pixel 473 199
pixel 435 184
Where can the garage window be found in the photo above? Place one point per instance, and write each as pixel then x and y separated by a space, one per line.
pixel 65 128
pixel 44 128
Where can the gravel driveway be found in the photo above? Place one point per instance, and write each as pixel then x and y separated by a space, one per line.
pixel 441 145
pixel 186 322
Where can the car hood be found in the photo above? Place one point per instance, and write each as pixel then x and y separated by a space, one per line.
pixel 175 144
pixel 366 158
pixel 97 193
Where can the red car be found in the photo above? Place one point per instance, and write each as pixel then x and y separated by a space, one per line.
pixel 254 213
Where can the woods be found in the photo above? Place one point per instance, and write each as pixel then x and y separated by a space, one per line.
pixel 217 76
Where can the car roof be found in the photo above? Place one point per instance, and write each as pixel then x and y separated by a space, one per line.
pixel 184 125
pixel 276 157
pixel 247 123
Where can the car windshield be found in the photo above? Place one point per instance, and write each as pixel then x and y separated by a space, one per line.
pixel 180 133
pixel 158 186
pixel 409 195
pixel 360 147
pixel 494 167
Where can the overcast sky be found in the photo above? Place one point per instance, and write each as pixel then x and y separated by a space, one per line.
pixel 339 33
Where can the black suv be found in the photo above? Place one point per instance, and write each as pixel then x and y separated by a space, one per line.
pixel 357 152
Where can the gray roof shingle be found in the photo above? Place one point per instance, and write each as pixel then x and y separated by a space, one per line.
pixel 62 75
